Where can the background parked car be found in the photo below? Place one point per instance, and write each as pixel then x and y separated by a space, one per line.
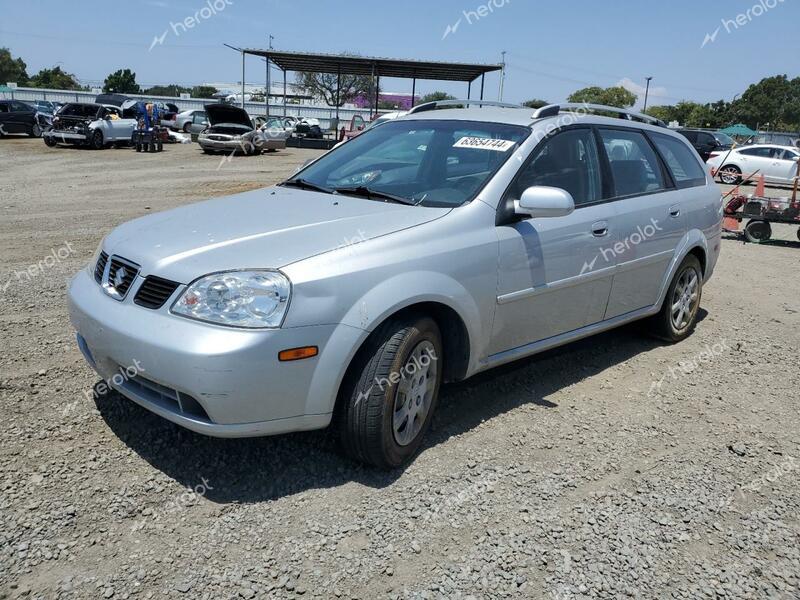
pixel 95 125
pixel 44 106
pixel 706 142
pixel 185 119
pixel 778 164
pixel 230 129
pixel 19 117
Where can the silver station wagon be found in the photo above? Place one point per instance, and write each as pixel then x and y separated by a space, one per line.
pixel 454 239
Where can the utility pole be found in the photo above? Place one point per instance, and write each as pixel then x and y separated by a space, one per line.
pixel 502 74
pixel 646 92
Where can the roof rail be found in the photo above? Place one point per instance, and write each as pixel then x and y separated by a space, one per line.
pixel 552 110
pixel 460 103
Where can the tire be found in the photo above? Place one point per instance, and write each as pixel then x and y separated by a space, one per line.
pixel 36 131
pixel 397 368
pixel 186 127
pixel 97 142
pixel 50 141
pixel 798 234
pixel 757 231
pixel 730 175
pixel 678 315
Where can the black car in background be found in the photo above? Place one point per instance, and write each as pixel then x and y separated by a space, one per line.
pixel 20 117
pixel 706 142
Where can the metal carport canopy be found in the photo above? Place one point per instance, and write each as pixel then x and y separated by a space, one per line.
pixel 367 65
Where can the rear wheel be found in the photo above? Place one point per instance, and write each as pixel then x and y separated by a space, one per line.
pixel 730 175
pixel 678 315
pixel 186 126
pixel 36 131
pixel 757 231
pixel 387 401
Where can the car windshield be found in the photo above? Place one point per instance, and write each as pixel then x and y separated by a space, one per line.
pixel 79 110
pixel 724 138
pixel 426 162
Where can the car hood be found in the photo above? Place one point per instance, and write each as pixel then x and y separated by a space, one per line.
pixel 267 228
pixel 227 113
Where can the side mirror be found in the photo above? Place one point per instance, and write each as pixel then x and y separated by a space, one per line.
pixel 543 201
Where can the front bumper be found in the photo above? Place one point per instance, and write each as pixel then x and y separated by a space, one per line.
pixel 237 144
pixel 67 137
pixel 214 380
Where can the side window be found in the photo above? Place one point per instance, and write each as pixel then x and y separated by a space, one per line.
pixel 759 152
pixel 20 107
pixel 3 108
pixel 634 165
pixel 569 161
pixel 681 161
pixel 790 155
pixel 690 135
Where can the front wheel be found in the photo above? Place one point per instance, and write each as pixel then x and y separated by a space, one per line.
pixel 678 315
pixel 36 131
pixel 388 399
pixel 96 141
pixel 50 141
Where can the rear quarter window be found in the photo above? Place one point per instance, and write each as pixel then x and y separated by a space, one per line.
pixel 680 160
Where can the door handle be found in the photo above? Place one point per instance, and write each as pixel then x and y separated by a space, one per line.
pixel 674 212
pixel 600 229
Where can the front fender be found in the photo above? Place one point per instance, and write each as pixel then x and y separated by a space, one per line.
pixel 382 301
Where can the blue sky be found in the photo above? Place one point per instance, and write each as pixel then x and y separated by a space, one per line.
pixel 553 47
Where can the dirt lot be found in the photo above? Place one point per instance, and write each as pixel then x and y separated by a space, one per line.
pixel 615 467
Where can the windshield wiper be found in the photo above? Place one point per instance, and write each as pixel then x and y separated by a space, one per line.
pixel 304 184
pixel 371 193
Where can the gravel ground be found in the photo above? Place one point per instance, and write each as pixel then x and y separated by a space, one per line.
pixel 614 467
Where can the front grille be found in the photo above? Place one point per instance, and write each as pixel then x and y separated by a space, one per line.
pixel 100 267
pixel 154 292
pixel 128 275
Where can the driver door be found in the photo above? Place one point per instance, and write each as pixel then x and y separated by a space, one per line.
pixel 555 273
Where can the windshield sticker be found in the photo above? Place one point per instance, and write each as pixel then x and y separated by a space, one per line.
pixel 485 144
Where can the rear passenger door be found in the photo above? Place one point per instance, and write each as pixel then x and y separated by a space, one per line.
pixel 650 218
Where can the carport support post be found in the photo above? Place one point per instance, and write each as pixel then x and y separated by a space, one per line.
pixel 469 90
pixel 338 88
pixel 242 79
pixel 483 80
pixel 413 90
pixel 377 92
pixel 268 87
pixel 284 92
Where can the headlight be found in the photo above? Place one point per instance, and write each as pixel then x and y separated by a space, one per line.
pixel 250 299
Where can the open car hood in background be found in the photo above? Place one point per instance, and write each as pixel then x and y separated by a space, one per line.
pixel 227 113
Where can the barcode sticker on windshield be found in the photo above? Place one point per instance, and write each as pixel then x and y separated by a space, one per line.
pixel 484 144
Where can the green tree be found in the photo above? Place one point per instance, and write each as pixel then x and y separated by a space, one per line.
pixel 616 96
pixel 122 81
pixel 203 91
pixel 774 100
pixel 167 90
pixel 56 79
pixel 12 69
pixel 435 97
pixel 535 103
